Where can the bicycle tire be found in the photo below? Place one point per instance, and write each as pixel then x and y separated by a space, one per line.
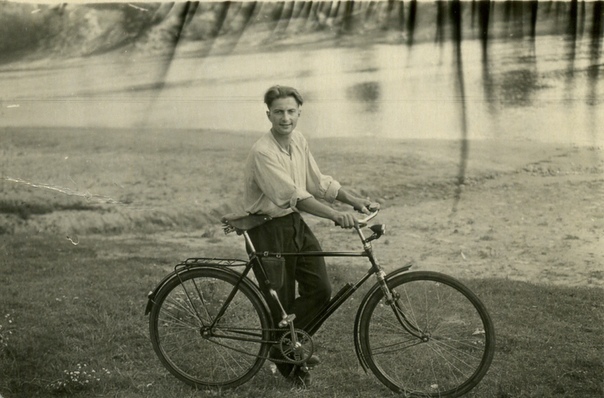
pixel 182 311
pixel 448 343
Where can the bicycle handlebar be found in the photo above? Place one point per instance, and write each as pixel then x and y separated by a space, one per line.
pixel 363 222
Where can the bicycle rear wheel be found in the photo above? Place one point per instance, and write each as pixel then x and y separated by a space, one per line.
pixel 226 355
pixel 436 339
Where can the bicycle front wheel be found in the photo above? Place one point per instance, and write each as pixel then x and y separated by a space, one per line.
pixel 435 339
pixel 200 349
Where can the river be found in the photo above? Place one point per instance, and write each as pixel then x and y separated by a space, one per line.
pixel 528 90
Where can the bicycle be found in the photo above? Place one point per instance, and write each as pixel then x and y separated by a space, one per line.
pixel 421 333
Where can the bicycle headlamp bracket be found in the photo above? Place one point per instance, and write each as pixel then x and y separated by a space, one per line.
pixel 378 230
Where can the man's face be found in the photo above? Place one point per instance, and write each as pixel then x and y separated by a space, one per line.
pixel 284 114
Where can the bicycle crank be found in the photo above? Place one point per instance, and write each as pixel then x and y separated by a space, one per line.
pixel 298 347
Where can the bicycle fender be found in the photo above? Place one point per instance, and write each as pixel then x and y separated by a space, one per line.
pixel 357 320
pixel 153 293
pixel 401 270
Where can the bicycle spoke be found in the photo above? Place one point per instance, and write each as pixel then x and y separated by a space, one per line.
pixel 458 343
pixel 180 347
pixel 392 327
pixel 395 346
pixel 177 303
pixel 231 347
pixel 446 358
pixel 232 359
pixel 201 299
pixel 179 321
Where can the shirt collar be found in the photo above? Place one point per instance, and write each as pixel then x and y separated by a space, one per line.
pixel 284 150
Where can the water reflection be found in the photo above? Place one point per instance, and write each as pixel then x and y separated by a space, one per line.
pixel 464 145
pixel 411 21
pixel 534 4
pixel 517 87
pixel 439 37
pixel 484 16
pixel 368 93
pixel 596 39
pixel 571 38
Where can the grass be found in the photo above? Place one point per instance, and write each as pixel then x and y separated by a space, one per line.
pixel 127 183
pixel 73 325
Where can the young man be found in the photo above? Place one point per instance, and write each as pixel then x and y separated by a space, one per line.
pixel 282 179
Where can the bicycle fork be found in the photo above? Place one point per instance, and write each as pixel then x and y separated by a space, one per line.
pixel 392 299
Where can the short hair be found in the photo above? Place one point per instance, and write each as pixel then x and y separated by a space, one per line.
pixel 277 92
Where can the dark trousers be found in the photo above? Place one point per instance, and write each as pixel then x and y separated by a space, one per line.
pixel 290 234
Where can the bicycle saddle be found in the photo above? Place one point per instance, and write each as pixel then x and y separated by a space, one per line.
pixel 241 222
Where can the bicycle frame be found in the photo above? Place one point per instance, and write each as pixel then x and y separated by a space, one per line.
pixel 345 292
pixel 348 289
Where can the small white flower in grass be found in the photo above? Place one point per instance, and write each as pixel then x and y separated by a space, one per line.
pixel 80 378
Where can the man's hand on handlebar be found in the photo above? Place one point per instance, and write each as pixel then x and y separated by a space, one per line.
pixel 345 220
pixel 349 220
pixel 367 207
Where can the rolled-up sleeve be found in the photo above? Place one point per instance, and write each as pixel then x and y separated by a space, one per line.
pixel 320 185
pixel 276 183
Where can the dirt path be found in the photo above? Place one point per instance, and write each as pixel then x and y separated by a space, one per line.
pixel 540 221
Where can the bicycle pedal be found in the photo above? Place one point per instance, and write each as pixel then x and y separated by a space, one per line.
pixel 287 320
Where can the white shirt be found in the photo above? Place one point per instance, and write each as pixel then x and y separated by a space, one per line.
pixel 275 179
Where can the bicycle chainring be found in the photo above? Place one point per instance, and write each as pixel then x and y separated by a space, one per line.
pixel 298 352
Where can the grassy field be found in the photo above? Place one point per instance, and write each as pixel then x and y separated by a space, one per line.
pixel 91 220
pixel 67 309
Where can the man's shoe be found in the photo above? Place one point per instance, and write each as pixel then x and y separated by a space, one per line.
pixel 301 378
pixel 313 361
